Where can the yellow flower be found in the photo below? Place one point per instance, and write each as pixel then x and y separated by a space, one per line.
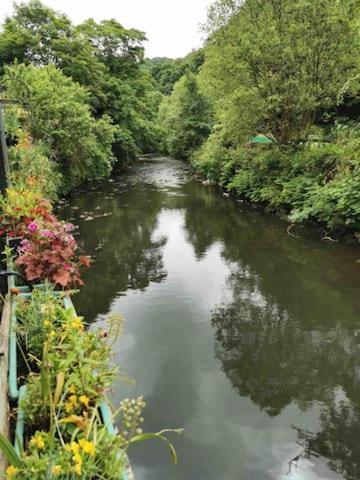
pixel 75 447
pixel 84 400
pixel 77 458
pixel 52 334
pixel 73 399
pixel 11 471
pixel 72 389
pixel 77 323
pixel 56 469
pixel 47 323
pixel 77 469
pixel 37 441
pixel 88 448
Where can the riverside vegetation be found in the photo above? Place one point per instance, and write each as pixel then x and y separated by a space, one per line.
pixel 66 366
pixel 71 124
pixel 90 103
pixel 288 70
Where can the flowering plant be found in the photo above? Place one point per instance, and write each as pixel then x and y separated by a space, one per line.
pixel 65 436
pixel 48 250
pixel 19 208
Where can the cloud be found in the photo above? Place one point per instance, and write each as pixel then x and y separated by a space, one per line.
pixel 171 26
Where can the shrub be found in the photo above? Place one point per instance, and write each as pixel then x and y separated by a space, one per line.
pixel 61 119
pixel 48 250
pixel 317 180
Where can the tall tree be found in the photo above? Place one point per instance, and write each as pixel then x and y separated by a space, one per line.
pixel 272 65
pixel 60 118
pixel 185 118
pixel 103 57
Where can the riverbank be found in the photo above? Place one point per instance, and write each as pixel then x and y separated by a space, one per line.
pixel 316 183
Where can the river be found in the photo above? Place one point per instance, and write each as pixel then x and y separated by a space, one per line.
pixel 245 336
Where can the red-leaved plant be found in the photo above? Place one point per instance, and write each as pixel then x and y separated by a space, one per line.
pixel 49 251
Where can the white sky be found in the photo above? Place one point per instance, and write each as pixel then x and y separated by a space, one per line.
pixel 171 26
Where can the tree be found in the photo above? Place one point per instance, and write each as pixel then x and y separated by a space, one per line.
pixel 273 65
pixel 60 118
pixel 167 71
pixel 185 118
pixel 103 57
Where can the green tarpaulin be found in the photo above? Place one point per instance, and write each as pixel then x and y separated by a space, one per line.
pixel 261 139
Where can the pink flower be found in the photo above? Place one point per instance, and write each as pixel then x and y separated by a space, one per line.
pixel 47 234
pixel 67 266
pixel 33 227
pixel 69 227
pixel 24 245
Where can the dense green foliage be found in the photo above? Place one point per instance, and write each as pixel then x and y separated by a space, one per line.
pixel 167 71
pixel 287 69
pixel 317 181
pixel 94 87
pixel 185 118
pixel 61 119
pixel 278 76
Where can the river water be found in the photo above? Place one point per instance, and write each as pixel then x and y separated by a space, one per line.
pixel 246 337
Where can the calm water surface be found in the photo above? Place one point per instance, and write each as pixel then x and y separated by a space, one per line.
pixel 244 336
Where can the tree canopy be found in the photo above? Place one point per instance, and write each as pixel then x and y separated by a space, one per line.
pixel 104 58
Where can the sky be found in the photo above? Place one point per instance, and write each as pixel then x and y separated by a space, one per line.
pixel 171 26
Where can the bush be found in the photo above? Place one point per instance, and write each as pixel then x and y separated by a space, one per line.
pixel 60 118
pixel 315 181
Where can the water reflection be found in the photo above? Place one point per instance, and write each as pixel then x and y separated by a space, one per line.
pixel 127 256
pixel 187 266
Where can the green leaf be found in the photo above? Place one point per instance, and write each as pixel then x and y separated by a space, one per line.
pixel 161 436
pixel 10 452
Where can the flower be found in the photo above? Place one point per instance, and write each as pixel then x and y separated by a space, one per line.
pixel 37 441
pixel 47 234
pixel 32 227
pixel 71 403
pixel 69 227
pixel 84 400
pixel 11 471
pixel 67 266
pixel 76 323
pixel 56 469
pixel 24 245
pixel 77 458
pixel 87 446
pixel 77 469
pixel 72 389
pixel 75 448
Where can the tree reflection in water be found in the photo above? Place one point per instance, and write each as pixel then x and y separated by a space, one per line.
pixel 275 359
